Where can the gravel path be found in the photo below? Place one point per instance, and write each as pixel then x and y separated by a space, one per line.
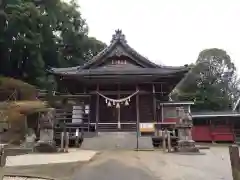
pixel 141 165
pixel 118 161
pixel 157 165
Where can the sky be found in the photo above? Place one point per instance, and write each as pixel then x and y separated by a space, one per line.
pixel 168 32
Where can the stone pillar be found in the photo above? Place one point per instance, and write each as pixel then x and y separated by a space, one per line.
pixel 185 143
pixel 46 142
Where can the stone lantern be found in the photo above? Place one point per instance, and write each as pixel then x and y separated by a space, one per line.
pixel 184 126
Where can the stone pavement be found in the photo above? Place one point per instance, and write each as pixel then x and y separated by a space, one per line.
pixel 74 155
pixel 116 140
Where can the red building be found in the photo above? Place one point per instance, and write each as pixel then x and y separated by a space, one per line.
pixel 207 126
pixel 216 126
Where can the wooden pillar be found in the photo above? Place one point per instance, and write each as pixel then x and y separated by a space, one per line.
pixel 97 109
pixel 211 130
pixel 235 161
pixel 137 115
pixel 119 109
pixel 154 104
pixel 162 115
pixel 233 129
pixel 62 142
pixel 169 141
pixel 164 139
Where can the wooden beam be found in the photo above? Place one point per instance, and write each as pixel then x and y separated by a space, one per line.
pixel 154 103
pixel 124 92
pixel 162 114
pixel 119 109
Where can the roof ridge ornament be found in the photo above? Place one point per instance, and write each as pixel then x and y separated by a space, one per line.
pixel 118 36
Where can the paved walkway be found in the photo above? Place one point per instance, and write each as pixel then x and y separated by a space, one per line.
pixel 38 159
pixel 117 140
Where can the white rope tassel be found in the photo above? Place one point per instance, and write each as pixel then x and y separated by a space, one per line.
pixel 118 105
pixel 118 100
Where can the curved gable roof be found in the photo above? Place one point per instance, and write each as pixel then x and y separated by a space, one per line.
pixel 119 47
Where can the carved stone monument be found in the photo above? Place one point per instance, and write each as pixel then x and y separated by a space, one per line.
pixel 30 139
pixel 46 142
pixel 184 126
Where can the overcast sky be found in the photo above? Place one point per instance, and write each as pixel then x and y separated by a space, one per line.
pixel 171 32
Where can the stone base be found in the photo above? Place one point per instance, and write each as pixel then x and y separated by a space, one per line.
pixel 45 147
pixel 187 146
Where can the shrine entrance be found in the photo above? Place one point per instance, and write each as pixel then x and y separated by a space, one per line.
pixel 117 114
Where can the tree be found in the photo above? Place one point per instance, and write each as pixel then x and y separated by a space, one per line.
pixel 42 33
pixel 212 83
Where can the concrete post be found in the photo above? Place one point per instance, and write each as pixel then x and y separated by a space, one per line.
pixel 66 142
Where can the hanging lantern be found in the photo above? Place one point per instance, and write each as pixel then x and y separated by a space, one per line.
pixel 118 105
pixel 114 103
pixel 106 101
pixel 129 99
pixel 126 103
pixel 109 104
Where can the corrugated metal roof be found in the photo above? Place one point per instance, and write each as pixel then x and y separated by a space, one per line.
pixel 215 114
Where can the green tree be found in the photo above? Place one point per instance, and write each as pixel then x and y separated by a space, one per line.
pixel 42 33
pixel 212 83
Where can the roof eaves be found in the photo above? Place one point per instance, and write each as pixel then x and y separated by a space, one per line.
pixel 215 115
pixel 63 70
pixel 178 86
pixel 99 55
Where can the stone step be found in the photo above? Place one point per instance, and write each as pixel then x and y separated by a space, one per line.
pixel 116 141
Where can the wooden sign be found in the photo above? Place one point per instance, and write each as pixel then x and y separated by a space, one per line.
pixel 146 127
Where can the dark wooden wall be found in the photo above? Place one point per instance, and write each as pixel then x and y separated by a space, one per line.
pixel 128 113
pixel 107 114
pixel 146 108
pixel 93 109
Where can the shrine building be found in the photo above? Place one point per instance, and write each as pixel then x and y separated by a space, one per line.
pixel 123 86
